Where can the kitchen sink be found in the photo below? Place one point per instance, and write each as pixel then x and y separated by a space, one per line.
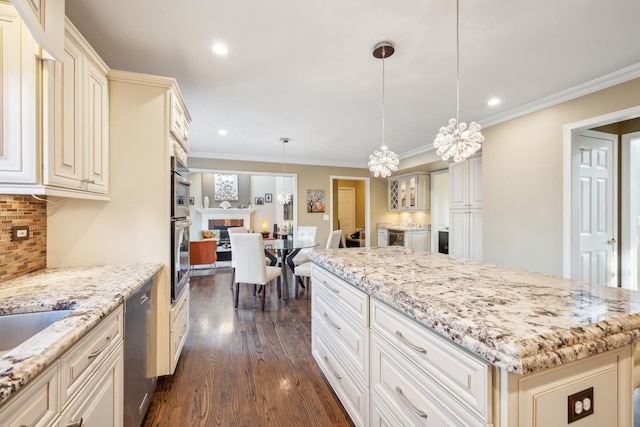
pixel 17 328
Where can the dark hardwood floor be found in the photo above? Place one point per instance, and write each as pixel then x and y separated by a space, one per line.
pixel 245 367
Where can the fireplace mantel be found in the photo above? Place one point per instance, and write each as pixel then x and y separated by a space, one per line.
pixel 218 213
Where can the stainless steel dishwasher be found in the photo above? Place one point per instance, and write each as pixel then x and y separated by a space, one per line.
pixel 139 353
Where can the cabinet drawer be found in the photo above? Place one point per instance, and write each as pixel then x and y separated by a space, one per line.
pixel 37 404
pixel 99 402
pixel 352 337
pixel 464 375
pixel 353 300
pixel 179 336
pixel 78 364
pixel 178 308
pixel 411 394
pixel 353 394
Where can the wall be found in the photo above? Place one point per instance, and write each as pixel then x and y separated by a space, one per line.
pixel 523 180
pixel 22 257
pixel 309 178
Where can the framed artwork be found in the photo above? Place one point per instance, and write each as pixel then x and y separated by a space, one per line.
pixel 192 201
pixel 225 186
pixel 315 200
pixel 268 198
pixel 259 200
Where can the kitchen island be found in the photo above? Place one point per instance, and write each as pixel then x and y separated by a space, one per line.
pixel 94 295
pixel 497 347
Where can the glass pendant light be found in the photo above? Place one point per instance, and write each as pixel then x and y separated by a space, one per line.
pixel 384 161
pixel 456 141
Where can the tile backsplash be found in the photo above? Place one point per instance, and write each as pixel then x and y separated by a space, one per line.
pixel 18 258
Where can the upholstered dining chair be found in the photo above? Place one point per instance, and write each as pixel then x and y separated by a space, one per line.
pixel 203 252
pixel 232 230
pixel 304 232
pixel 302 272
pixel 250 267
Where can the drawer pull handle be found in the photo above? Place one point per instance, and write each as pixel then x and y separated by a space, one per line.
pixel 326 316
pixel 407 402
pixel 79 423
pixel 337 291
pixel 333 371
pixel 100 350
pixel 410 344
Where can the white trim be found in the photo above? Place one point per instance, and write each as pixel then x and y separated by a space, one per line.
pixel 630 152
pixel 367 203
pixel 568 131
pixel 435 235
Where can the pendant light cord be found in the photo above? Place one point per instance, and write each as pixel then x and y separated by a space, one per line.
pixel 384 54
pixel 458 61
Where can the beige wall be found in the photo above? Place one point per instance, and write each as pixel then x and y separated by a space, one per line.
pixel 309 178
pixel 523 181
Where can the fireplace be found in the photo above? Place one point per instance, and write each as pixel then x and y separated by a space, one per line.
pixel 222 219
pixel 222 225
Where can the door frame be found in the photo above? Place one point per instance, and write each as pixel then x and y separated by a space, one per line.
pixel 570 135
pixel 367 203
pixel 629 170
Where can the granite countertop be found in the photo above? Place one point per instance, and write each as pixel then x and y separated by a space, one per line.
pixel 519 321
pixel 93 293
pixel 404 227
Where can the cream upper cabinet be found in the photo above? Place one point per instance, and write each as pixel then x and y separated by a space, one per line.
pixel 76 137
pixel 465 208
pixel 409 192
pixel 18 83
pixel 45 19
pixel 180 119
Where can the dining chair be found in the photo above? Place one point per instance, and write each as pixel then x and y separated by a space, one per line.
pixel 304 232
pixel 203 252
pixel 302 272
pixel 250 267
pixel 230 231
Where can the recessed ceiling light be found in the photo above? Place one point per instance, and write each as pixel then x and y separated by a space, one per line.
pixel 219 49
pixel 222 132
pixel 493 101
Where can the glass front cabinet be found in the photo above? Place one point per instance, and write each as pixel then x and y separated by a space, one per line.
pixel 409 192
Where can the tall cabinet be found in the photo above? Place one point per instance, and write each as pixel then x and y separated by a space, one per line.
pixel 465 208
pixel 135 226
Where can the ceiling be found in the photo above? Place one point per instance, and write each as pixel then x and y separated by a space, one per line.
pixel 304 69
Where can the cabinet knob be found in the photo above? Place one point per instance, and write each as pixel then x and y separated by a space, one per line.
pixel 611 241
pixel 79 423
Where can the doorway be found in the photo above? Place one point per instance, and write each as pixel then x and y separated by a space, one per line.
pixel 347 210
pixel 359 187
pixel 625 125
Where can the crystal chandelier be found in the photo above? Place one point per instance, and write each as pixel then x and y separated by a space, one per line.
pixel 283 197
pixel 383 161
pixel 457 141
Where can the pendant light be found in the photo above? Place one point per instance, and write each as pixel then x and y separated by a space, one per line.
pixel 384 161
pixel 283 197
pixel 456 141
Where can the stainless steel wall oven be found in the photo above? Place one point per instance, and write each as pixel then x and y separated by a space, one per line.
pixel 180 260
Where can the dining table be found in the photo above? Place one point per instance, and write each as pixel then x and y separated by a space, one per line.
pixel 286 250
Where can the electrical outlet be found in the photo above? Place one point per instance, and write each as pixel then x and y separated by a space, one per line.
pixel 580 405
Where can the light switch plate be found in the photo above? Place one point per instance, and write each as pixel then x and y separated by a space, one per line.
pixel 325 217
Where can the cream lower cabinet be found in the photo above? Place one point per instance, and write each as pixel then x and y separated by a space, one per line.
pixel 383 237
pixel 76 125
pixel 340 341
pixel 377 359
pixel 417 240
pixel 83 385
pixel 178 326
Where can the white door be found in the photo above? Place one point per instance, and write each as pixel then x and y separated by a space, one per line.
pixel 597 156
pixel 347 210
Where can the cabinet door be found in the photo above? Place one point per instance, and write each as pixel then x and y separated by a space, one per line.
pixel 99 402
pixel 458 180
pixel 475 234
pixel 475 182
pixel 63 119
pixel 96 124
pixel 18 98
pixel 45 19
pixel 394 194
pixel 459 233
pixel 424 192
pixel 417 240
pixel 383 237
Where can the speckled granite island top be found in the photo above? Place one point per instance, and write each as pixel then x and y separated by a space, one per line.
pixel 404 227
pixel 92 292
pixel 519 321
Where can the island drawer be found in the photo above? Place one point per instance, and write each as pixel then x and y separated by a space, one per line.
pixel 462 374
pixel 351 336
pixel 352 392
pixel 80 362
pixel 178 308
pixel 410 395
pixel 352 299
